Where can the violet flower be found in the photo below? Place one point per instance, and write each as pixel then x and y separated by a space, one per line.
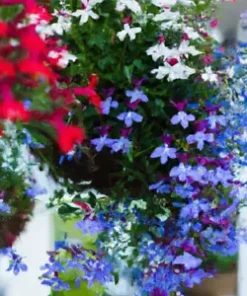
pixel 101 142
pixel 4 208
pixel 182 118
pixel 188 261
pixel 136 95
pixel 182 172
pixel 107 105
pixel 200 138
pixel 123 144
pixel 129 117
pixel 164 152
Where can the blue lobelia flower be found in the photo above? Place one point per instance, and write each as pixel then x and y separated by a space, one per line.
pixel 188 261
pixel 181 172
pixel 90 226
pixel 164 152
pixel 160 187
pixel 136 95
pixel 200 138
pixel 123 144
pixel 102 142
pixel 4 208
pixel 129 117
pixel 182 118
pixel 108 104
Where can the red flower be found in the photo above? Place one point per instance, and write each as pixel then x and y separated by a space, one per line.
pixel 13 110
pixel 89 92
pixel 3 29
pixel 6 68
pixel 33 67
pixel 68 136
pixel 214 23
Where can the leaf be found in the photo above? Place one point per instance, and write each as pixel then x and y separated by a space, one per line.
pixel 128 71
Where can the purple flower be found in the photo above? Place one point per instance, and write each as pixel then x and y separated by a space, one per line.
pixel 200 138
pixel 160 187
pixel 123 144
pixel 16 265
pixel 185 191
pixel 164 152
pixel 188 261
pixel 90 226
pixel 107 105
pixel 182 118
pixel 129 117
pixel 136 95
pixel 182 172
pixel 4 208
pixel 101 142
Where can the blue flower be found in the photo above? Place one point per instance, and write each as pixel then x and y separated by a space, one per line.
pixel 101 142
pixel 182 172
pixel 164 152
pixel 107 105
pixel 182 118
pixel 136 95
pixel 4 208
pixel 122 144
pixel 200 138
pixel 90 226
pixel 16 265
pixel 129 117
pixel 160 187
pixel 32 192
pixel 188 261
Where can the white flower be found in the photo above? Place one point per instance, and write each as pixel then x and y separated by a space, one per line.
pixel 157 51
pixel 132 5
pixel 162 3
pixel 171 24
pixel 84 14
pixel 192 34
pixel 178 71
pixel 209 75
pixel 128 31
pixel 63 57
pixel 167 15
pixel 185 49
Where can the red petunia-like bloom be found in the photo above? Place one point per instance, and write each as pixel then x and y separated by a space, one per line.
pixel 90 93
pixel 13 110
pixel 6 68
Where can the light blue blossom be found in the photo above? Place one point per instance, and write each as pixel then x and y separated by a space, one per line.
pixel 182 172
pixel 164 152
pixel 101 142
pixel 129 117
pixel 123 144
pixel 200 138
pixel 90 226
pixel 182 118
pixel 214 119
pixel 136 95
pixel 108 104
pixel 4 208
pixel 188 261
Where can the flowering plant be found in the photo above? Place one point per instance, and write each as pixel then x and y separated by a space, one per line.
pixel 152 112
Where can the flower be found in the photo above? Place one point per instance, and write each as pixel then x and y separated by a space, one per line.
pixel 164 152
pixel 182 172
pixel 160 187
pixel 200 138
pixel 90 226
pixel 107 105
pixel 209 75
pixel 131 32
pixel 178 71
pixel 214 119
pixel 101 142
pixel 4 208
pixel 132 5
pixel 188 261
pixel 129 117
pixel 122 144
pixel 136 95
pixel 182 118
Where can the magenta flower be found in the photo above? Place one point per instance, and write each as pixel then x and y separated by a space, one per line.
pixel 200 138
pixel 136 95
pixel 182 118
pixel 164 152
pixel 129 117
